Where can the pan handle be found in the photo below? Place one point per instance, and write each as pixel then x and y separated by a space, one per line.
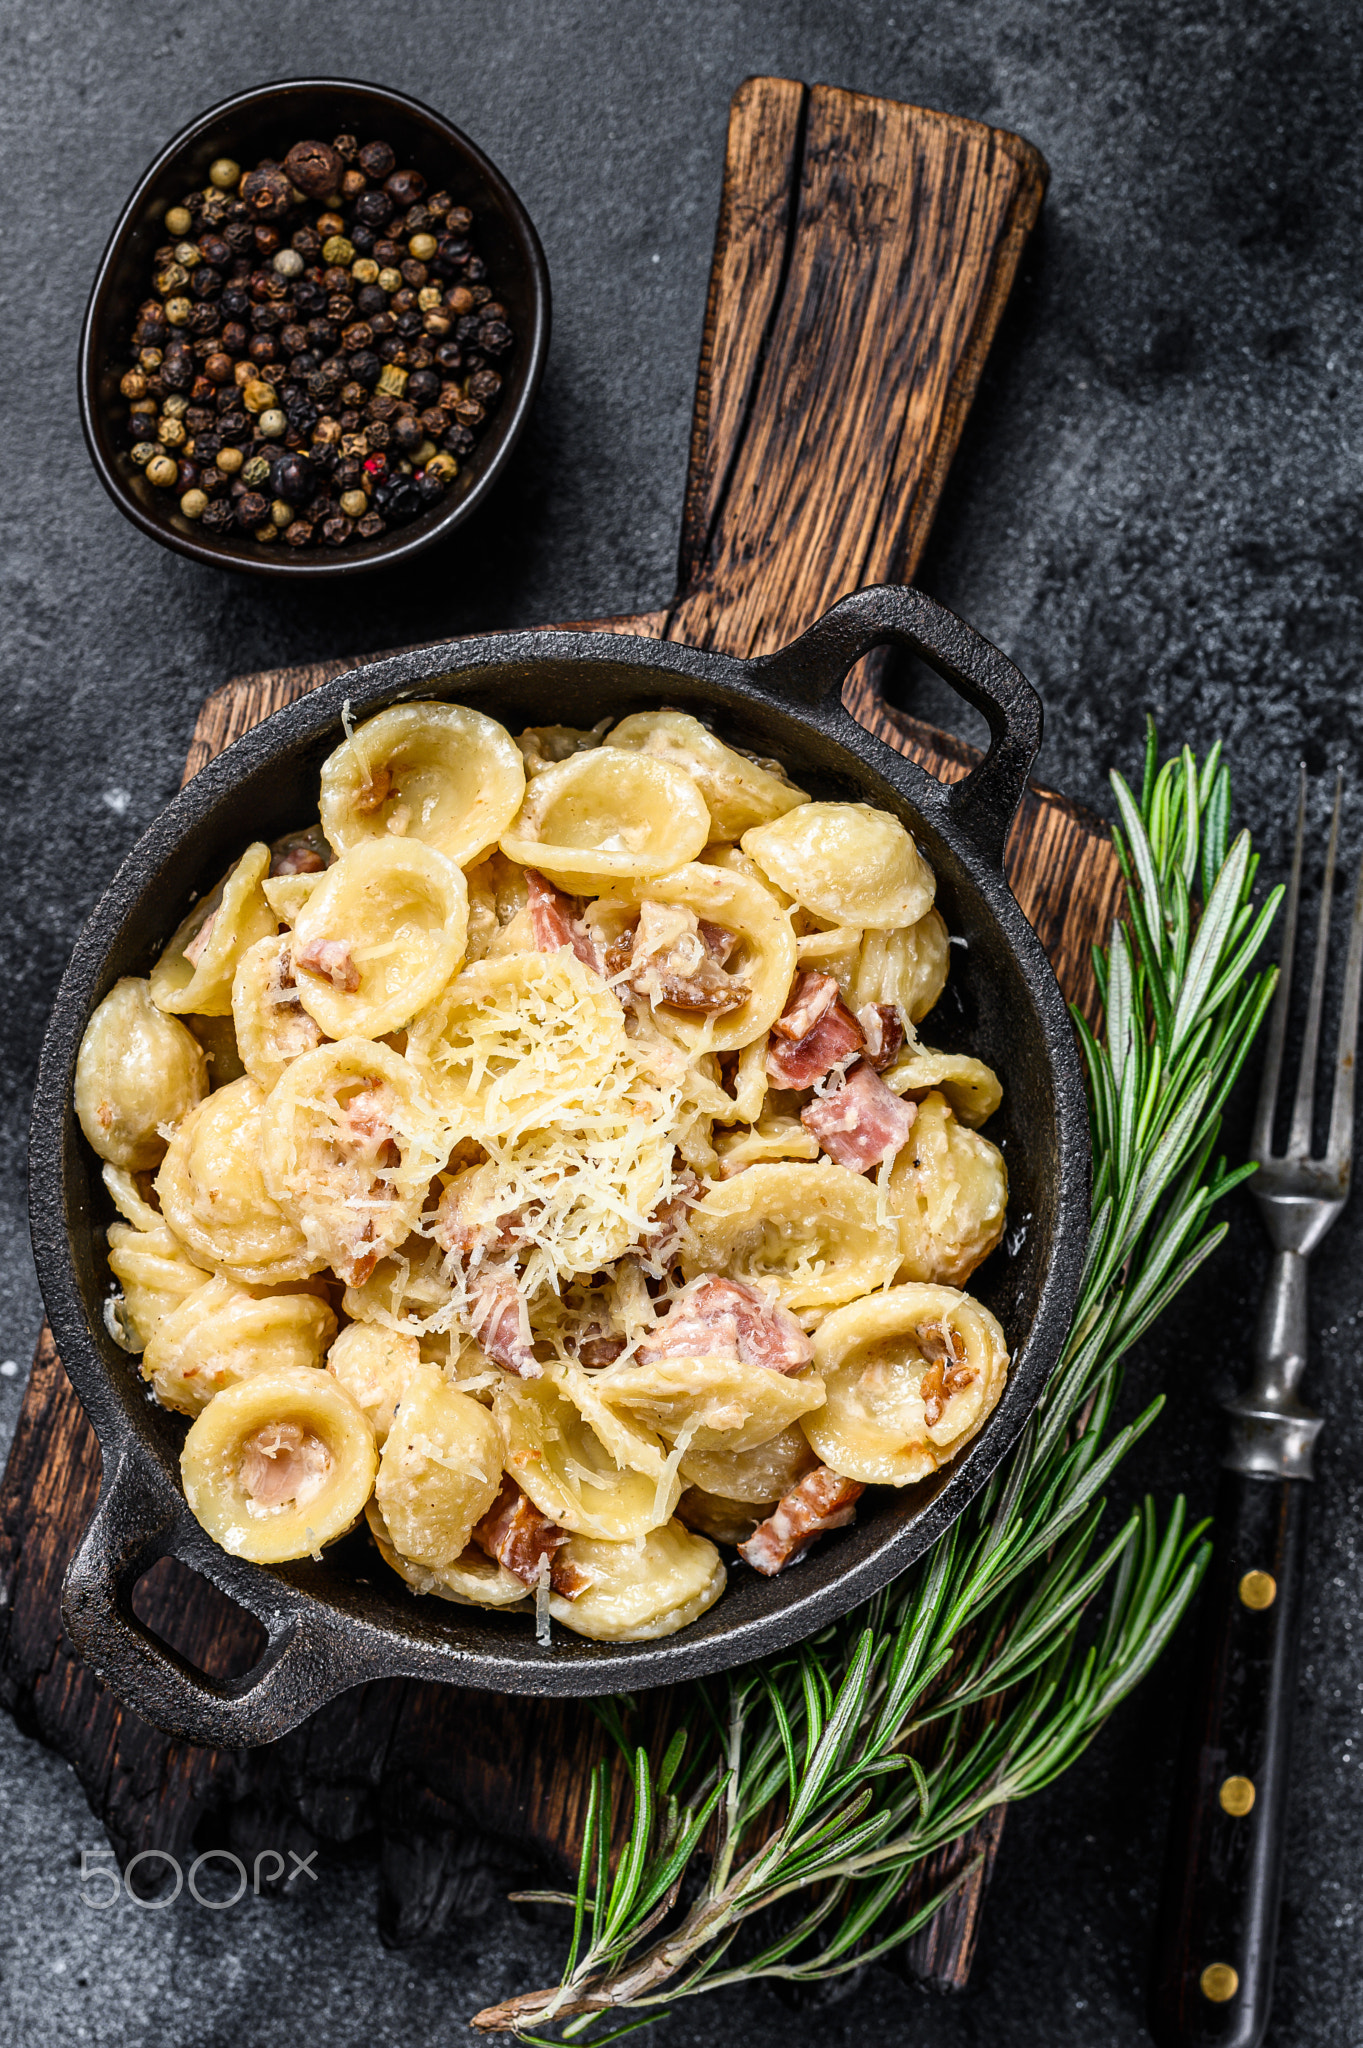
pixel 814 667
pixel 304 1662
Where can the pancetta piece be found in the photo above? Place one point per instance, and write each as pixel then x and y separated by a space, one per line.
pixel 520 1538
pixel 947 1372
pixel 862 1122
pixel 556 921
pixel 670 955
pixel 717 1317
pixel 667 1225
pixel 500 1321
pixel 821 1501
pixel 883 1029
pixel 330 960
pixel 283 1463
pixel 813 1034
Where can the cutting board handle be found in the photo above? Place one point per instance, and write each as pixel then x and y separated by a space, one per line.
pixel 864 253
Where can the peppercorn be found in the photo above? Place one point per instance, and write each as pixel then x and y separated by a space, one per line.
pixel 459 441
pixel 314 167
pixel 255 472
pixel 329 224
pixel 163 471
pixel 434 421
pixel 340 250
pixel 346 147
pixel 179 220
pixel 376 159
pixel 268 532
pixel 422 247
pixel 390 280
pixel 370 299
pixel 388 253
pixel 397 499
pixel 340 308
pixel 349 472
pixel 354 504
pixel 449 355
pixel 337 531
pixel 133 384
pixel 170 433
pixel 358 335
pixel 230 460
pixel 378 433
pixel 298 533
pixel 143 452
pixel 430 489
pixel 271 423
pixel 200 419
pixel 194 504
pixel 178 310
pixel 443 466
pixel 353 182
pixel 257 396
pixel 266 194
pixel 327 432
pixel 262 348
pixel 288 263
pixel 251 510
pixel 404 188
pixel 220 515
pixel 224 174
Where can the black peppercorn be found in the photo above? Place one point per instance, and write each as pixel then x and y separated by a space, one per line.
pixel 215 250
pixel 361 239
pixel 423 387
pixel 485 386
pixel 293 480
pixel 315 168
pixel 251 510
pixel 177 371
pixel 376 159
pixel 346 147
pixel 430 490
pixel 206 282
pixel 371 526
pixel 388 253
pixel 308 297
pixel 337 531
pixel 348 473
pixel 234 427
pixel 397 500
pixel 219 516
pixel 358 335
pixel 371 298
pixel 235 303
pixel 475 269
pixel 373 210
pixel 238 235
pixel 266 195
pixel 266 319
pixel 293 339
pixel 409 434
pixel 404 188
pixel 364 367
pixel 494 335
pixel 317 508
pixel 262 349
pixel 449 355
pixel 433 423
pixel 340 308
pixel 378 433
pixel 298 533
pixel 204 321
pixel 459 441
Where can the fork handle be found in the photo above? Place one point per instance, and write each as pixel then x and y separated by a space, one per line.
pixel 1213 1981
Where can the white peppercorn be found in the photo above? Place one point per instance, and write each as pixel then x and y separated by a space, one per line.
pixel 194 504
pixel 271 423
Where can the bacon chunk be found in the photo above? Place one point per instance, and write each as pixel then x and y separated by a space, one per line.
pixel 520 1538
pixel 329 960
pixel 813 1034
pixel 884 1032
pixel 862 1122
pixel 374 791
pixel 556 921
pixel 283 1465
pixel 301 853
pixel 947 1372
pixel 822 1500
pixel 671 956
pixel 719 1318
pixel 198 945
pixel 662 1241
pixel 500 1322
pixel 717 939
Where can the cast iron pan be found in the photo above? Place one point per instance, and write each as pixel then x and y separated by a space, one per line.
pixel 347 1620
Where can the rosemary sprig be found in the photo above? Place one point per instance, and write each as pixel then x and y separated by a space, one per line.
pixel 794 1799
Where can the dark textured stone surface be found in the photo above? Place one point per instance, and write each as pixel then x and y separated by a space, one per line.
pixel 1157 504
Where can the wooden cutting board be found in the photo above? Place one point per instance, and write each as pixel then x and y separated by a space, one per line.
pixel 864 254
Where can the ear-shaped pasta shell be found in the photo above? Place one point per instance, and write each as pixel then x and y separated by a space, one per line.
pixel 136 1070
pixel 214 1196
pixel 211 1463
pixel 399 912
pixel 155 1276
pixel 973 1089
pixel 286 894
pixel 907 968
pixel 406 1284
pixel 235 914
pixel 374 1366
pixel 849 863
pixel 772 1138
pixel 222 1334
pixel 875 1356
pixel 642 1590
pixel 754 1476
pixel 709 1403
pixel 514 1040
pixel 813 1230
pixel 440 773
pixel 764 957
pixel 949 1195
pixel 720 1518
pixel 471 1580
pixel 555 1455
pixel 440 1470
pixel 738 793
pixel 350 1140
pixel 272 1027
pixel 606 816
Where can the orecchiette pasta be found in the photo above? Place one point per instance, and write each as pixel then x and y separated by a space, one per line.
pixel 739 792
pixel 379 937
pixel 214 1196
pixel 580 1482
pixel 580 1070
pixel 606 816
pixel 349 1141
pixel 440 773
pixel 641 1589
pixel 968 1084
pixel 948 1194
pixel 439 1470
pixel 223 1333
pixel 813 1231
pixel 195 971
pixel 279 1465
pixel 846 862
pixel 137 1074
pixel 911 1375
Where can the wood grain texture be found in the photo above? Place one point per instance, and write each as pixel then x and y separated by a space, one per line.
pixel 863 257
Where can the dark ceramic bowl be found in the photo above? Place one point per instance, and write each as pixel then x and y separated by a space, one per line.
pixel 347 1619
pixel 266 122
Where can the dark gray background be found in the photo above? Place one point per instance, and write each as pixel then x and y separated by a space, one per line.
pixel 1157 505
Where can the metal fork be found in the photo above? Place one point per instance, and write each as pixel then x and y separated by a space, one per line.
pixel 1219 1909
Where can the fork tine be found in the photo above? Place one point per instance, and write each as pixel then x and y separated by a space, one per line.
pixel 1341 1145
pixel 1262 1142
pixel 1299 1141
